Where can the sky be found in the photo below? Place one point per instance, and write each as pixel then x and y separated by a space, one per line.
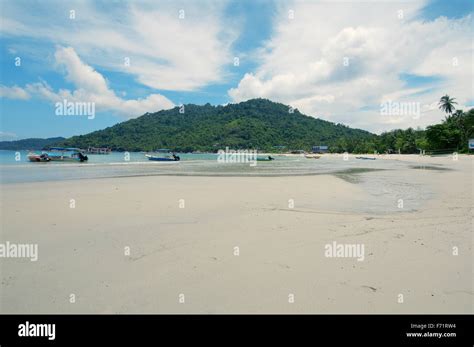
pixel 336 60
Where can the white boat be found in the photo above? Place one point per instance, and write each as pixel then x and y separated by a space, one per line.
pixel 59 154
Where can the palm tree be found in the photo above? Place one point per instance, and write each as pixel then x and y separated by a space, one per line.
pixel 447 104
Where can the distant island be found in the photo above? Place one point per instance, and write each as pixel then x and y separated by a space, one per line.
pixel 267 126
pixel 255 124
pixel 31 143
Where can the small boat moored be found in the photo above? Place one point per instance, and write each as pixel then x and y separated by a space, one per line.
pixel 365 158
pixel 269 158
pixel 67 154
pixel 168 158
pixel 59 154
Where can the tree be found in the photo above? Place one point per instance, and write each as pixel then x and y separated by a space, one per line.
pixel 447 104
pixel 444 136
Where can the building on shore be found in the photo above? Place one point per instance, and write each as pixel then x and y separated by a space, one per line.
pixel 98 150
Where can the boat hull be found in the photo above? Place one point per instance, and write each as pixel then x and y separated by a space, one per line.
pixel 38 159
pixel 153 158
pixel 160 159
pixel 66 159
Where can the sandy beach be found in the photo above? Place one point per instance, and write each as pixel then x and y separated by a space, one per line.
pixel 169 244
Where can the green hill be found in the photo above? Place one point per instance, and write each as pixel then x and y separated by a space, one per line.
pixel 32 143
pixel 255 124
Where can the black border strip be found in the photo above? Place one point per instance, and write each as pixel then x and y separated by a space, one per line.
pixel 377 330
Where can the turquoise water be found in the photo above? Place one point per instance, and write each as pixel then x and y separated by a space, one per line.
pixel 10 157
pixel 15 167
pixel 380 178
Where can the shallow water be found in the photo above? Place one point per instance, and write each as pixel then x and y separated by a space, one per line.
pixel 385 181
pixel 116 165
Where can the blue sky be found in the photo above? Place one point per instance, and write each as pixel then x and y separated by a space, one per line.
pixel 290 52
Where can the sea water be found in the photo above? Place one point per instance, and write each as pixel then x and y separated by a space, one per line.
pixel 15 167
pixel 381 178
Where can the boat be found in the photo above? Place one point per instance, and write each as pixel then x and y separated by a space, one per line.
pixel 269 158
pixel 58 154
pixel 365 158
pixel 168 158
pixel 310 156
pixel 66 154
pixel 35 157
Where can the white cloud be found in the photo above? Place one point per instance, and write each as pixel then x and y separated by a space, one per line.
pixel 165 52
pixel 91 86
pixel 14 92
pixel 303 63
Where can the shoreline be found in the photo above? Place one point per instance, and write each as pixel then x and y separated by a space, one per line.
pixel 191 250
pixel 327 164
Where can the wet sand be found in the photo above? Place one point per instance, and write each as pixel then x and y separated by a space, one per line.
pixel 240 244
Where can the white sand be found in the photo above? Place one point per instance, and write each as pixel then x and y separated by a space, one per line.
pixel 190 250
